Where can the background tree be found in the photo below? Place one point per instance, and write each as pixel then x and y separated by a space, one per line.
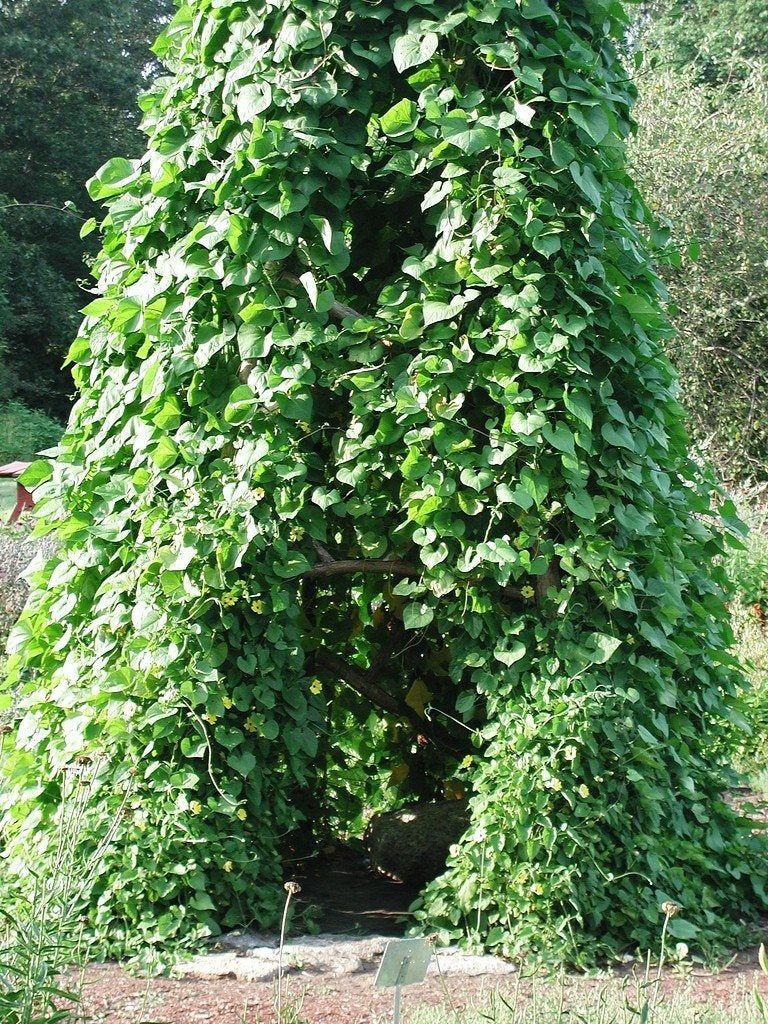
pixel 701 159
pixel 71 74
pixel 377 449
pixel 714 43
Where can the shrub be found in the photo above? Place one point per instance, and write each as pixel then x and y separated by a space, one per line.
pixel 752 649
pixel 25 432
pixel 748 571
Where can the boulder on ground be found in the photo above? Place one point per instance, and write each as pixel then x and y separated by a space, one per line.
pixel 411 845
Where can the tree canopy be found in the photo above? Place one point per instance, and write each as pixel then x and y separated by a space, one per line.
pixel 701 159
pixel 717 42
pixel 71 74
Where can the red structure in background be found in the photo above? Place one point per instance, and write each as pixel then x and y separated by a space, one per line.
pixel 24 499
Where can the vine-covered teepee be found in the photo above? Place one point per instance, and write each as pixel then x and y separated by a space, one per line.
pixel 377 482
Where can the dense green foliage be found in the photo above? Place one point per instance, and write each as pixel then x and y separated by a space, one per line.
pixel 71 72
pixel 701 160
pixel 379 290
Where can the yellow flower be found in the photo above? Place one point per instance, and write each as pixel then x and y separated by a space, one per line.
pixel 296 533
pixel 583 790
pixel 258 493
pixel 196 807
pixel 528 592
pixel 241 813
pixel 210 718
pixel 257 606
pixel 250 724
pixel 316 687
pixel 227 865
pixel 467 762
pixel 570 753
pixel 228 600
pixel 304 427
pixel 556 785
pixel 538 888
pixel 227 702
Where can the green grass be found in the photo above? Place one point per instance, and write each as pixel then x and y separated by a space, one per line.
pixel 7 496
pixel 576 1001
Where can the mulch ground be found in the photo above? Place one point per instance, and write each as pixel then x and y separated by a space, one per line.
pixel 112 996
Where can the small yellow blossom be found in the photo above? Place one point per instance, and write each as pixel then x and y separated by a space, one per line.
pixel 467 762
pixel 258 493
pixel 556 785
pixel 227 865
pixel 210 718
pixel 316 686
pixel 257 607
pixel 250 724
pixel 537 888
pixel 228 600
pixel 583 790
pixel 241 813
pixel 227 702
pixel 304 427
pixel 570 753
pixel 296 533
pixel 196 807
pixel 528 592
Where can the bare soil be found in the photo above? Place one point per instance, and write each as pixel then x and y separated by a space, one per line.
pixel 112 996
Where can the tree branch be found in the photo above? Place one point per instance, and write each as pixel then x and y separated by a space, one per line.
pixel 329 566
pixel 338 310
pixel 342 566
pixel 361 683
pixel 551 578
pixel 322 553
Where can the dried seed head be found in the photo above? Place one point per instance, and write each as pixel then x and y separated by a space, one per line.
pixel 670 908
pixel 292 888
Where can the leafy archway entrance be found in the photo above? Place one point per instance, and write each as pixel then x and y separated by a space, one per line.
pixel 375 419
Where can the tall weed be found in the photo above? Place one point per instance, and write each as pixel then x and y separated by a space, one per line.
pixel 42 938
